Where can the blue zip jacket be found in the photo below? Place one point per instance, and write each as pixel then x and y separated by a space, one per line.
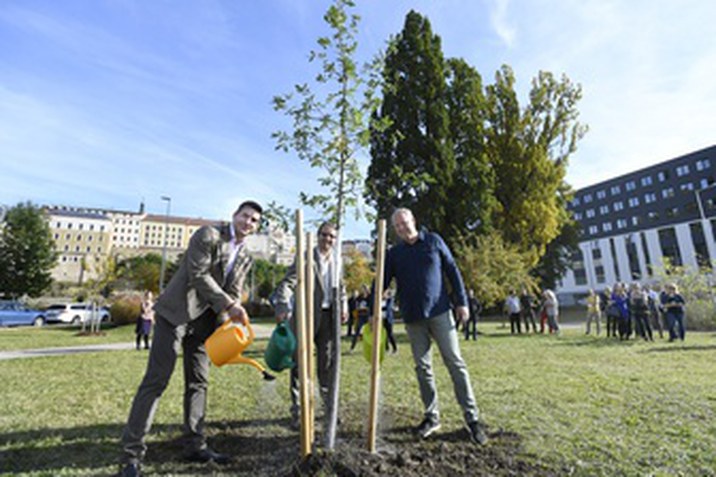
pixel 419 270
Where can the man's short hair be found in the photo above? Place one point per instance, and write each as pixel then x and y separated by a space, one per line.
pixel 250 204
pixel 326 224
pixel 401 210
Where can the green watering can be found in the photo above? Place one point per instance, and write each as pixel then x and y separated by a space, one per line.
pixel 368 344
pixel 281 348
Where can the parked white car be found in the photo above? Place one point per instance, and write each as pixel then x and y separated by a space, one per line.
pixel 74 313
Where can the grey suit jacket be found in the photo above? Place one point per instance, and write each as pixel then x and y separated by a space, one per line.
pixel 285 289
pixel 200 282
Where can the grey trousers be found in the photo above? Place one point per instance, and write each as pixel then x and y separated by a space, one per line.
pixel 440 328
pixel 168 341
pixel 324 340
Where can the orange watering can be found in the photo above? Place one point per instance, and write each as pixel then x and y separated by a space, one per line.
pixel 226 344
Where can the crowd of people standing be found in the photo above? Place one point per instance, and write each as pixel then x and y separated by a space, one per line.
pixel 638 311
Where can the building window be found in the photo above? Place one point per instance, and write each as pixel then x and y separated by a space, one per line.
pixel 577 216
pixel 580 273
pixel 88 250
pixel 647 257
pixel 59 225
pixel 615 190
pixel 618 205
pixel 631 185
pixel 633 201
pixel 607 226
pixel 703 183
pixel 601 194
pixel 57 236
pixel 91 226
pixel 79 236
pixel 645 181
pixel 667 193
pixel 682 170
pixel 587 198
pixel 603 209
pixel 670 246
pixel 703 164
pixel 649 197
pixel 77 248
pixel 672 212
pixel 64 258
pixel 99 249
pixel 662 176
pixel 653 215
pixel 593 229
pixel 67 248
pixel 621 223
pixel 80 226
pixel 69 225
pixel 687 186
pixel 699 241
pixel 633 258
pixel 590 213
pixel 635 220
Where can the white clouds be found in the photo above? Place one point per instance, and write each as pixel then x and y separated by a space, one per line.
pixel 500 22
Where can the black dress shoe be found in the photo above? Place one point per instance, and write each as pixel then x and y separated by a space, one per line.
pixel 208 455
pixel 130 470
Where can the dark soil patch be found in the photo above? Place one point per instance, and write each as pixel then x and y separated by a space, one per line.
pixel 266 448
pixel 448 454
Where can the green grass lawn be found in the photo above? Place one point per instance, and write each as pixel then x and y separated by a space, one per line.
pixel 591 405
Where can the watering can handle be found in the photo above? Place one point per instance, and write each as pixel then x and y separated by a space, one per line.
pixel 252 335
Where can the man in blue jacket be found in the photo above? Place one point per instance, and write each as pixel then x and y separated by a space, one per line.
pixel 420 262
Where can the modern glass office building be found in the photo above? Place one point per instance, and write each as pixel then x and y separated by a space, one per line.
pixel 631 222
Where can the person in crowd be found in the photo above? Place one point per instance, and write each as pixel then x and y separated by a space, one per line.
pixel 639 308
pixel 421 263
pixel 389 320
pixel 527 304
pixel 621 302
pixel 324 335
pixel 551 308
pixel 352 319
pixel 594 311
pixel 612 312
pixel 475 310
pixel 675 312
pixel 362 312
pixel 205 290
pixel 145 320
pixel 513 310
pixel 655 311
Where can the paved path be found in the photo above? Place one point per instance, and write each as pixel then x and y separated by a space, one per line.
pixel 262 330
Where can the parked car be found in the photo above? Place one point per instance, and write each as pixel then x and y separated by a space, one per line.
pixel 14 313
pixel 74 313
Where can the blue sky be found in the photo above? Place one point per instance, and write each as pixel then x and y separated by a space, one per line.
pixel 105 103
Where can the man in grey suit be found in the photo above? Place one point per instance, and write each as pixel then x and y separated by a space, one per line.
pixel 207 285
pixel 323 306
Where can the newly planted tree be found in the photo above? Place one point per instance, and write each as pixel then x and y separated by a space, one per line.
pixel 330 129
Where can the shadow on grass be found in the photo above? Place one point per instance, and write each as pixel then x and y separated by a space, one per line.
pixel 95 450
pixel 675 347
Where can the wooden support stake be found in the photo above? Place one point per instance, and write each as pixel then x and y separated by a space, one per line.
pixel 377 328
pixel 310 332
pixel 300 313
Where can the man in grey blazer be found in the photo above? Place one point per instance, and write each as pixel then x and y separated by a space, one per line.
pixel 207 285
pixel 323 306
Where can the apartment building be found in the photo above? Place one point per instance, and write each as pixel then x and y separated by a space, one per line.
pixel 82 241
pixel 631 222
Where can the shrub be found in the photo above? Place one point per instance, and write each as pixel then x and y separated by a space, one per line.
pixel 126 309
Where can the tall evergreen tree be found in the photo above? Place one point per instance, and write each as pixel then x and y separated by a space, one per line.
pixel 471 196
pixel 412 158
pixel 27 252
